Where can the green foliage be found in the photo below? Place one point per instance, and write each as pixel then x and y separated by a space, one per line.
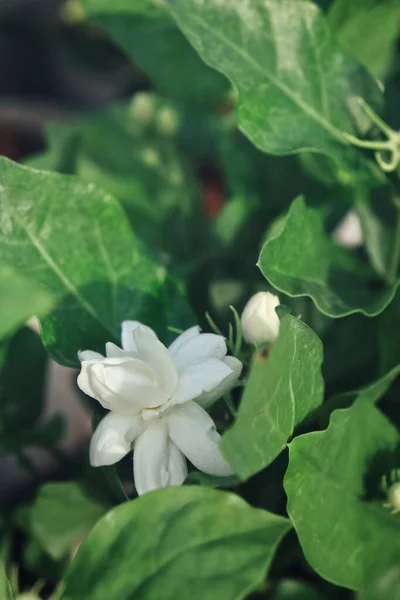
pixel 335 500
pixel 351 21
pixel 301 260
pixel 297 88
pixel 61 516
pixel 6 590
pixel 19 300
pixel 283 389
pixel 102 278
pixel 245 130
pixel 233 543
pixel 151 40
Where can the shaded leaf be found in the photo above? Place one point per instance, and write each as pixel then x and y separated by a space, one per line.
pixel 352 20
pixel 61 516
pixel 150 38
pixel 22 382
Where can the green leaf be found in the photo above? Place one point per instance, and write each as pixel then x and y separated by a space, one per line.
pixel 61 516
pixel 301 260
pixel 282 391
pixel 297 88
pixel 189 542
pixel 20 299
pixel 75 240
pixel 369 30
pixel 150 38
pixel 334 498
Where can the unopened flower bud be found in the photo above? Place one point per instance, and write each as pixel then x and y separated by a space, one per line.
pixel 142 108
pixel 167 121
pixel 260 323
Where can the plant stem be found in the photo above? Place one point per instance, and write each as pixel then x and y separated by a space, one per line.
pixel 230 406
pixel 395 259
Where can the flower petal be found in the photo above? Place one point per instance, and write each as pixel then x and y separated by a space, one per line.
pixel 193 431
pixel 89 355
pixel 154 353
pixel 124 385
pixel 112 351
pixel 127 329
pixel 208 398
pixel 200 378
pixel 199 347
pixel 182 339
pixel 177 465
pixel 150 458
pixel 113 438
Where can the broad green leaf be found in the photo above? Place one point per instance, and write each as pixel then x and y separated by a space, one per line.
pixel 75 240
pixel 334 496
pixel 369 30
pixel 61 516
pixel 301 260
pixel 191 542
pixel 150 38
pixel 283 389
pixel 297 88
pixel 20 299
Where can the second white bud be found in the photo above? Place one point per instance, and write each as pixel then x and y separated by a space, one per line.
pixel 260 323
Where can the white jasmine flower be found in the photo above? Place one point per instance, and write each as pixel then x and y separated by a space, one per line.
pixel 156 398
pixel 260 323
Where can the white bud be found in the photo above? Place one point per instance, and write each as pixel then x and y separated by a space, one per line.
pixel 167 121
pixel 260 323
pixel 142 108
